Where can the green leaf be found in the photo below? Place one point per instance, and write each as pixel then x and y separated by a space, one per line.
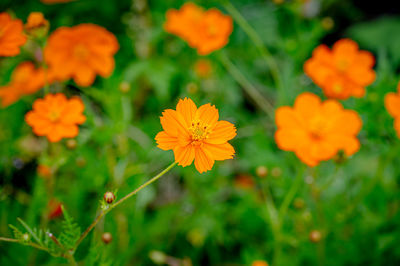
pixel 30 231
pixel 71 231
pixel 379 34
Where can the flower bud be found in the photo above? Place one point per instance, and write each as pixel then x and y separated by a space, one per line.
pixel 158 257
pixel 262 171
pixel 106 237
pixel 276 172
pixel 327 23
pixel 25 237
pixel 80 161
pixel 109 197
pixel 71 144
pixel 315 236
pixel 259 263
pixel 298 203
pixel 124 87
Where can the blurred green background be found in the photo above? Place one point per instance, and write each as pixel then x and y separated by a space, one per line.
pixel 220 217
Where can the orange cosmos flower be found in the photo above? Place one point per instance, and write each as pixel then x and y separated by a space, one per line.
pixel 343 71
pixel 36 20
pixel 44 171
pixel 316 131
pixel 80 53
pixel 205 31
pixel 26 79
pixel 11 35
pixel 56 117
pixel 244 181
pixel 196 134
pixel 259 263
pixel 203 68
pixel 392 104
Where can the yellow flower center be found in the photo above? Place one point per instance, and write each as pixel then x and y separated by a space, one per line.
pixel 342 65
pixel 212 30
pixel 318 126
pixel 337 88
pixel 81 51
pixel 199 131
pixel 54 116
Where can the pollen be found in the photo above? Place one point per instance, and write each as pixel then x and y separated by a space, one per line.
pixel 199 131
pixel 80 51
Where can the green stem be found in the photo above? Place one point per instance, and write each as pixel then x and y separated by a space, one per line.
pixel 331 179
pixel 274 222
pixel 6 239
pixel 71 260
pixel 46 88
pixel 290 195
pixel 253 35
pixel 316 194
pixel 255 95
pixel 104 212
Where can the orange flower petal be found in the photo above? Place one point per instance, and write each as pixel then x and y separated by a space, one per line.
pixel 203 161
pixel 219 152
pixel 222 132
pixel 348 144
pixel 304 155
pixel 208 114
pixel 307 104
pixel 397 126
pixel 165 141
pixel 392 104
pixel 173 123
pixel 184 155
pixel 286 117
pixel 289 139
pixel 187 109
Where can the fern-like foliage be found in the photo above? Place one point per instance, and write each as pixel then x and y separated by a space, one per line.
pixel 21 237
pixel 71 232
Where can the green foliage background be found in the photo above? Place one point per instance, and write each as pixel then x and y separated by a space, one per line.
pixel 206 217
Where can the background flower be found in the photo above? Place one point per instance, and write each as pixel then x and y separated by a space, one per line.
pixel 205 31
pixel 26 79
pixel 56 117
pixel 343 71
pixel 81 52
pixel 11 35
pixel 317 130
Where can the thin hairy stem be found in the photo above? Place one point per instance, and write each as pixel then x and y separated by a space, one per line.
pixel 104 212
pixel 6 239
pixel 291 194
pixel 253 35
pixel 254 94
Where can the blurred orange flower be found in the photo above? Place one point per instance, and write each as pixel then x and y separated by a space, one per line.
pixel 36 20
pixel 244 181
pixel 26 79
pixel 392 104
pixel 56 117
pixel 11 35
pixel 205 31
pixel 80 53
pixel 317 130
pixel 203 68
pixel 196 134
pixel 343 71
pixel 54 209
pixel 44 171
pixel 259 263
